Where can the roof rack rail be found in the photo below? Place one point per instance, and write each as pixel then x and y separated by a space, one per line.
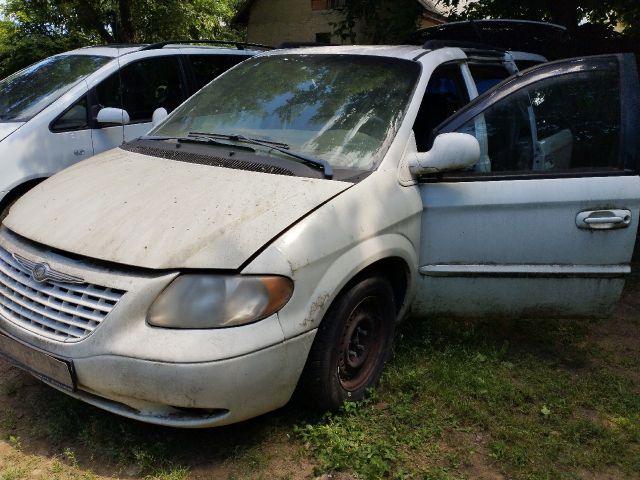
pixel 238 45
pixel 438 44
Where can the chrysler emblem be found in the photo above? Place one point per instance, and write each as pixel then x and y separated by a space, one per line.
pixel 42 272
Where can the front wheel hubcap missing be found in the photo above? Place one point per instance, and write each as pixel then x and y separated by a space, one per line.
pixel 361 345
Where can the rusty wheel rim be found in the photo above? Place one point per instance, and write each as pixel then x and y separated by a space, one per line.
pixel 361 345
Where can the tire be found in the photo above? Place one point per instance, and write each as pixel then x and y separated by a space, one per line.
pixel 352 345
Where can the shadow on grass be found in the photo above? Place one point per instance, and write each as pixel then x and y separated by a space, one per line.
pixel 555 340
pixel 53 424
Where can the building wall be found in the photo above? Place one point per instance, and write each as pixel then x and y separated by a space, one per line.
pixel 272 22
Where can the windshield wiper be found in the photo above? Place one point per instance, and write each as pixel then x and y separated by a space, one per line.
pixel 315 162
pixel 196 138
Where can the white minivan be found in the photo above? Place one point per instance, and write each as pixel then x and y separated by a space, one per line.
pixel 71 106
pixel 271 231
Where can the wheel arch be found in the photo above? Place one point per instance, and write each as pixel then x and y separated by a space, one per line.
pixel 18 190
pixel 395 269
pixel 391 255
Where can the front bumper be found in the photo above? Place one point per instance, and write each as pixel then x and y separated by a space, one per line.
pixel 192 395
pixel 180 378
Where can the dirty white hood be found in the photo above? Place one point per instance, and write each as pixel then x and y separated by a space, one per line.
pixel 149 212
pixel 7 129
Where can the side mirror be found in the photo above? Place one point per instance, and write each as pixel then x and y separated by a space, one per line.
pixel 113 116
pixel 159 114
pixel 450 151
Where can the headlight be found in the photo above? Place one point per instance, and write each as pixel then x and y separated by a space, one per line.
pixel 215 301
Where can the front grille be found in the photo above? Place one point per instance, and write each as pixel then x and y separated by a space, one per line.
pixel 60 311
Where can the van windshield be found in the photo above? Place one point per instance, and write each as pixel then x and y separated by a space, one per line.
pixel 25 93
pixel 344 109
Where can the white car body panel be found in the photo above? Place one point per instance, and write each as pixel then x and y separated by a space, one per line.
pixel 34 152
pixel 207 217
pixel 7 128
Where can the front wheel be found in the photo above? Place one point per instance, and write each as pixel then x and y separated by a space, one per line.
pixel 352 345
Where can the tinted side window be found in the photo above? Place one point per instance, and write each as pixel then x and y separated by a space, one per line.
pixel 143 86
pixel 151 84
pixel 570 122
pixel 446 93
pixel 75 118
pixel 207 67
pixel 108 94
pixel 578 122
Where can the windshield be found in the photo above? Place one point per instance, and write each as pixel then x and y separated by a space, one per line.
pixel 25 93
pixel 340 108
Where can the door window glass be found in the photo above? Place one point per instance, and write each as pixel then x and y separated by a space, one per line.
pixel 108 94
pixel 446 93
pixel 142 87
pixel 25 93
pixel 569 122
pixel 75 118
pixel 207 67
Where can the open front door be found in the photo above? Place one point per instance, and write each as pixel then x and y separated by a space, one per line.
pixel 547 221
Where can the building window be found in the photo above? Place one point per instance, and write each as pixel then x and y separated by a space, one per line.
pixel 337 4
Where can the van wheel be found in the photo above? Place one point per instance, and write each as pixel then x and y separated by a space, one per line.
pixel 352 344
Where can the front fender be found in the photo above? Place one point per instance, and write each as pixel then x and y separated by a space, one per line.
pixel 317 284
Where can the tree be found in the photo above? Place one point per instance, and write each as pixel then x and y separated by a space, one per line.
pixel 379 21
pixel 33 29
pixel 570 13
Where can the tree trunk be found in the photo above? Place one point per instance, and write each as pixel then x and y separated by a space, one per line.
pixel 126 33
pixel 92 19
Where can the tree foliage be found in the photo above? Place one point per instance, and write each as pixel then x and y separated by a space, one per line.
pixel 33 29
pixel 378 21
pixel 570 13
pixel 391 21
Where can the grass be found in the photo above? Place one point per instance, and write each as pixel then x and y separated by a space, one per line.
pixel 455 391
pixel 526 400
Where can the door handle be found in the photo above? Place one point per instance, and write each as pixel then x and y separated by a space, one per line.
pixel 603 219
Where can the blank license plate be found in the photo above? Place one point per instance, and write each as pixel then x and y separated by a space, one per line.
pixel 39 364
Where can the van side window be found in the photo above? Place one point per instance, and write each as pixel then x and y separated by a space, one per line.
pixel 74 118
pixel 142 87
pixel 564 123
pixel 108 94
pixel 446 93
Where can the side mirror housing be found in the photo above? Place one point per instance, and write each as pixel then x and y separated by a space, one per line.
pixel 113 116
pixel 159 114
pixel 450 151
